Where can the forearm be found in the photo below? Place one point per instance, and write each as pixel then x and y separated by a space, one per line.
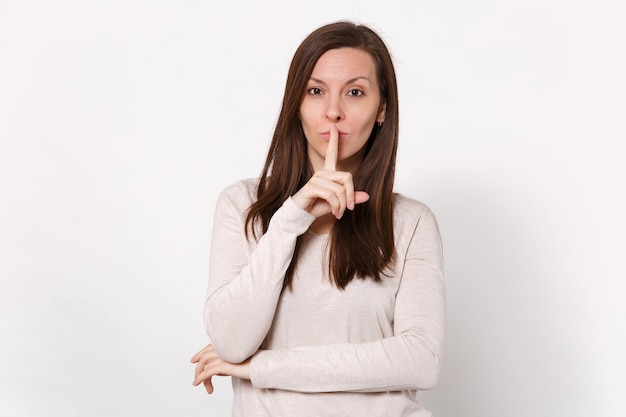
pixel 244 289
pixel 393 364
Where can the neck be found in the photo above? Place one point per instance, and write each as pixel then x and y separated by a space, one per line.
pixel 323 225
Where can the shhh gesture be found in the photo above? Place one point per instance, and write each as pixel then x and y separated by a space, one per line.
pixel 329 191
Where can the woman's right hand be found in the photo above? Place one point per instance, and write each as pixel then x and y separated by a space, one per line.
pixel 329 190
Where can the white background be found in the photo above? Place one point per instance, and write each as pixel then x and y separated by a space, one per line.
pixel 120 122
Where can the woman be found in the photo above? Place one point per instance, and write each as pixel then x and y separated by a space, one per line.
pixel 326 292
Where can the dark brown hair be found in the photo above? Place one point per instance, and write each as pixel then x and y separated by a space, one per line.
pixel 361 242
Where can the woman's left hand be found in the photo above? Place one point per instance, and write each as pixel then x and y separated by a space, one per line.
pixel 209 364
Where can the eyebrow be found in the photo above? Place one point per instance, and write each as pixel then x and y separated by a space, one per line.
pixel 350 81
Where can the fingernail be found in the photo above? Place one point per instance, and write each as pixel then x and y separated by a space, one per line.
pixel 351 205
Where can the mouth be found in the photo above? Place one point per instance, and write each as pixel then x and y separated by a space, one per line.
pixel 326 135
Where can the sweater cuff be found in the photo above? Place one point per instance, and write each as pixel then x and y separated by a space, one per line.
pixel 291 218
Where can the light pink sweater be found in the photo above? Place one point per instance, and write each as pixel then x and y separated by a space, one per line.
pixel 320 351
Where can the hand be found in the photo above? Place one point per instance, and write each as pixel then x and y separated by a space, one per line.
pixel 210 364
pixel 329 190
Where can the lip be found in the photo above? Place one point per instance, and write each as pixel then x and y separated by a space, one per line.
pixel 326 135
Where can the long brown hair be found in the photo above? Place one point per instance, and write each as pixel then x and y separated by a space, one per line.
pixel 361 242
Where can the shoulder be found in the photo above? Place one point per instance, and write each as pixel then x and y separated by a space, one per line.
pixel 406 208
pixel 245 188
pixel 240 194
pixel 412 218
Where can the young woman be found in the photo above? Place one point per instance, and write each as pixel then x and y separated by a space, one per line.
pixel 326 291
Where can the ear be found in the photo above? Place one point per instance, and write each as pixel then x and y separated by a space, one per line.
pixel 381 115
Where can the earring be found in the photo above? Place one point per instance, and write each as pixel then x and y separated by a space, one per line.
pixel 380 123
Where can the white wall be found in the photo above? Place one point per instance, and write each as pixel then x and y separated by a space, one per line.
pixel 120 121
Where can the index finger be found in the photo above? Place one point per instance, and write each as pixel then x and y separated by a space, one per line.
pixel 330 162
pixel 196 357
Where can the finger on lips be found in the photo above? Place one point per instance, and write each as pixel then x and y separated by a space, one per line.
pixel 330 161
pixel 346 194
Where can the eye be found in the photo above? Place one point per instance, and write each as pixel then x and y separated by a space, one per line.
pixel 314 91
pixel 355 92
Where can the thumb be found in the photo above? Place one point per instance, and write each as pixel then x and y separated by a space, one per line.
pixel 360 197
pixel 208 385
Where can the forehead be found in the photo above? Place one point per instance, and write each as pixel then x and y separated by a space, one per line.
pixel 345 63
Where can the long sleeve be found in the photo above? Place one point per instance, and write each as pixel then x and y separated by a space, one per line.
pixel 407 360
pixel 246 278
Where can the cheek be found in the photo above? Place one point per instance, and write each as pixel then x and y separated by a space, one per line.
pixel 304 119
pixel 309 134
pixel 305 129
pixel 366 125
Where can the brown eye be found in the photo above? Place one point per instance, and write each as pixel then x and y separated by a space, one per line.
pixel 314 91
pixel 355 92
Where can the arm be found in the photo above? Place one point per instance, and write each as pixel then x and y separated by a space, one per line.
pixel 407 361
pixel 244 287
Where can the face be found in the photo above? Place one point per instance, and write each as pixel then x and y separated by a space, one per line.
pixel 343 90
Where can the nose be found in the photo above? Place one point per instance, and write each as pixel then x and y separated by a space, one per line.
pixel 334 112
